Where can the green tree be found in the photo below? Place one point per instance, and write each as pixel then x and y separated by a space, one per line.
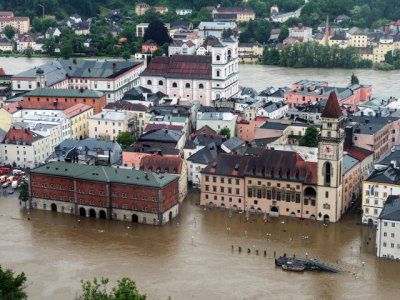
pixel 29 52
pixel 354 79
pixel 66 50
pixel 24 193
pixel 125 139
pixel 157 32
pixel 9 32
pixel 271 56
pixel 49 46
pixel 284 33
pixel 226 132
pixel 310 138
pixel 125 290
pixel 12 287
pixel 227 33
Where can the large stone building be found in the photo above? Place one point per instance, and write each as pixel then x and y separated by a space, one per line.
pixel 105 192
pixel 282 182
pixel 196 77
pixel 113 78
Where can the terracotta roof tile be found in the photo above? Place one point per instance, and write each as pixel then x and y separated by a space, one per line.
pixel 162 163
pixel 21 136
pixel 332 109
pixel 180 66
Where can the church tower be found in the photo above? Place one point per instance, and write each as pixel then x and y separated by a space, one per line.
pixel 330 162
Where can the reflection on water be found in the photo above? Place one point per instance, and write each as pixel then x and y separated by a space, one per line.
pixel 192 257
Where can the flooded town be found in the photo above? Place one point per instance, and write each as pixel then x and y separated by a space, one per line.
pixel 199 150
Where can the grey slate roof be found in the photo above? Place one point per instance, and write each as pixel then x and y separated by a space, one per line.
pixel 348 163
pixel 162 135
pixel 391 209
pixel 233 143
pixel 393 156
pixel 106 174
pixel 40 92
pixel 274 125
pixel 389 175
pixel 53 72
pixel 205 155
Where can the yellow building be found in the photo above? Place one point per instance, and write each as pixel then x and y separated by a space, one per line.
pixel 78 115
pixel 20 24
pixel 358 37
pixel 5 119
pixel 385 45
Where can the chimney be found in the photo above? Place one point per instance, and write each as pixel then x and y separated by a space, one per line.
pixel 114 67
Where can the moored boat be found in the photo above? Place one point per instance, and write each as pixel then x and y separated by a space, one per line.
pixel 293 268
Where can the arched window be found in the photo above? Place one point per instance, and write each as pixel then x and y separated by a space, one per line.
pixel 187 85
pixel 149 82
pixel 174 85
pixel 327 172
pixel 229 54
pixel 201 86
pixel 160 82
pixel 218 57
pixel 218 73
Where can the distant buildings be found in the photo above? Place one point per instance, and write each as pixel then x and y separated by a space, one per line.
pixel 301 32
pixel 183 11
pixel 20 24
pixel 108 124
pixel 105 192
pixel 141 8
pixel 113 78
pixel 233 14
pixel 194 77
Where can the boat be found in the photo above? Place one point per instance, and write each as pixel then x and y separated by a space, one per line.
pixel 293 268
pixel 309 264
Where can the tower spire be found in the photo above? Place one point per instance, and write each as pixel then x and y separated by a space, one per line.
pixel 326 37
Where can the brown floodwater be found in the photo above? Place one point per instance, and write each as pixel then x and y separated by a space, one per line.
pixel 192 257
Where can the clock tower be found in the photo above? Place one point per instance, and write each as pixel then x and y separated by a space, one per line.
pixel 330 162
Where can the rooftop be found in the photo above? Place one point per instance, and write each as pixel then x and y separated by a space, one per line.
pixel 162 135
pixel 332 109
pixel 105 174
pixel 111 116
pixel 348 163
pixel 180 66
pixel 64 93
pixel 391 209
pixel 389 175
pixel 160 164
pixel 205 155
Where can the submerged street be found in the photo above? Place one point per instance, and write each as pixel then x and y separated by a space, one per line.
pixel 192 257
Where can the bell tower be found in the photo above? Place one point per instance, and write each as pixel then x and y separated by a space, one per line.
pixel 330 162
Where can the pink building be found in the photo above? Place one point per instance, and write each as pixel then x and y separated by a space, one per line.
pixel 306 91
pixel 377 134
pixel 245 130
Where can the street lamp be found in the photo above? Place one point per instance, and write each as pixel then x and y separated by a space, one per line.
pixel 42 6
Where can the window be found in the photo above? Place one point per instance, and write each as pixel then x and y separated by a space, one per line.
pixel 149 82
pixel 392 235
pixel 174 85
pixel 214 179
pixel 207 178
pixel 249 192
pixel 385 234
pixel 384 244
pixel 237 181
pixel 222 180
pixel 385 223
pixel 278 195
pixel 187 85
pixel 214 189
pixel 160 82
pixel 237 191
pixel 393 224
pixel 269 194
pixel 326 194
pixel 218 58
pixel 222 189
pixel 201 86
pixel 327 170
pixel 259 193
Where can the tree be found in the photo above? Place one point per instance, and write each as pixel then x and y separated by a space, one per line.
pixel 226 132
pixel 271 56
pixel 9 32
pixel 24 193
pixel 125 290
pixel 354 79
pixel 309 139
pixel 29 52
pixel 49 46
pixel 284 33
pixel 125 139
pixel 66 49
pixel 157 32
pixel 12 287
pixel 227 33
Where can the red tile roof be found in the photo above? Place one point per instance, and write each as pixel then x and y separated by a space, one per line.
pixel 125 105
pixel 274 164
pixel 358 153
pixel 2 72
pixel 162 163
pixel 76 109
pixel 332 109
pixel 180 66
pixel 151 127
pixel 12 107
pixel 21 136
pixel 205 130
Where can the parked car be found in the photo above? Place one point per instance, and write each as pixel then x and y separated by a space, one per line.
pixel 5 185
pixel 10 191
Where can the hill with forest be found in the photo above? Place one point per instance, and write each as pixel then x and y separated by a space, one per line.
pixel 364 13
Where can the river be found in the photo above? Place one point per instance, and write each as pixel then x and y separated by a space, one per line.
pixel 191 257
pixel 259 76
